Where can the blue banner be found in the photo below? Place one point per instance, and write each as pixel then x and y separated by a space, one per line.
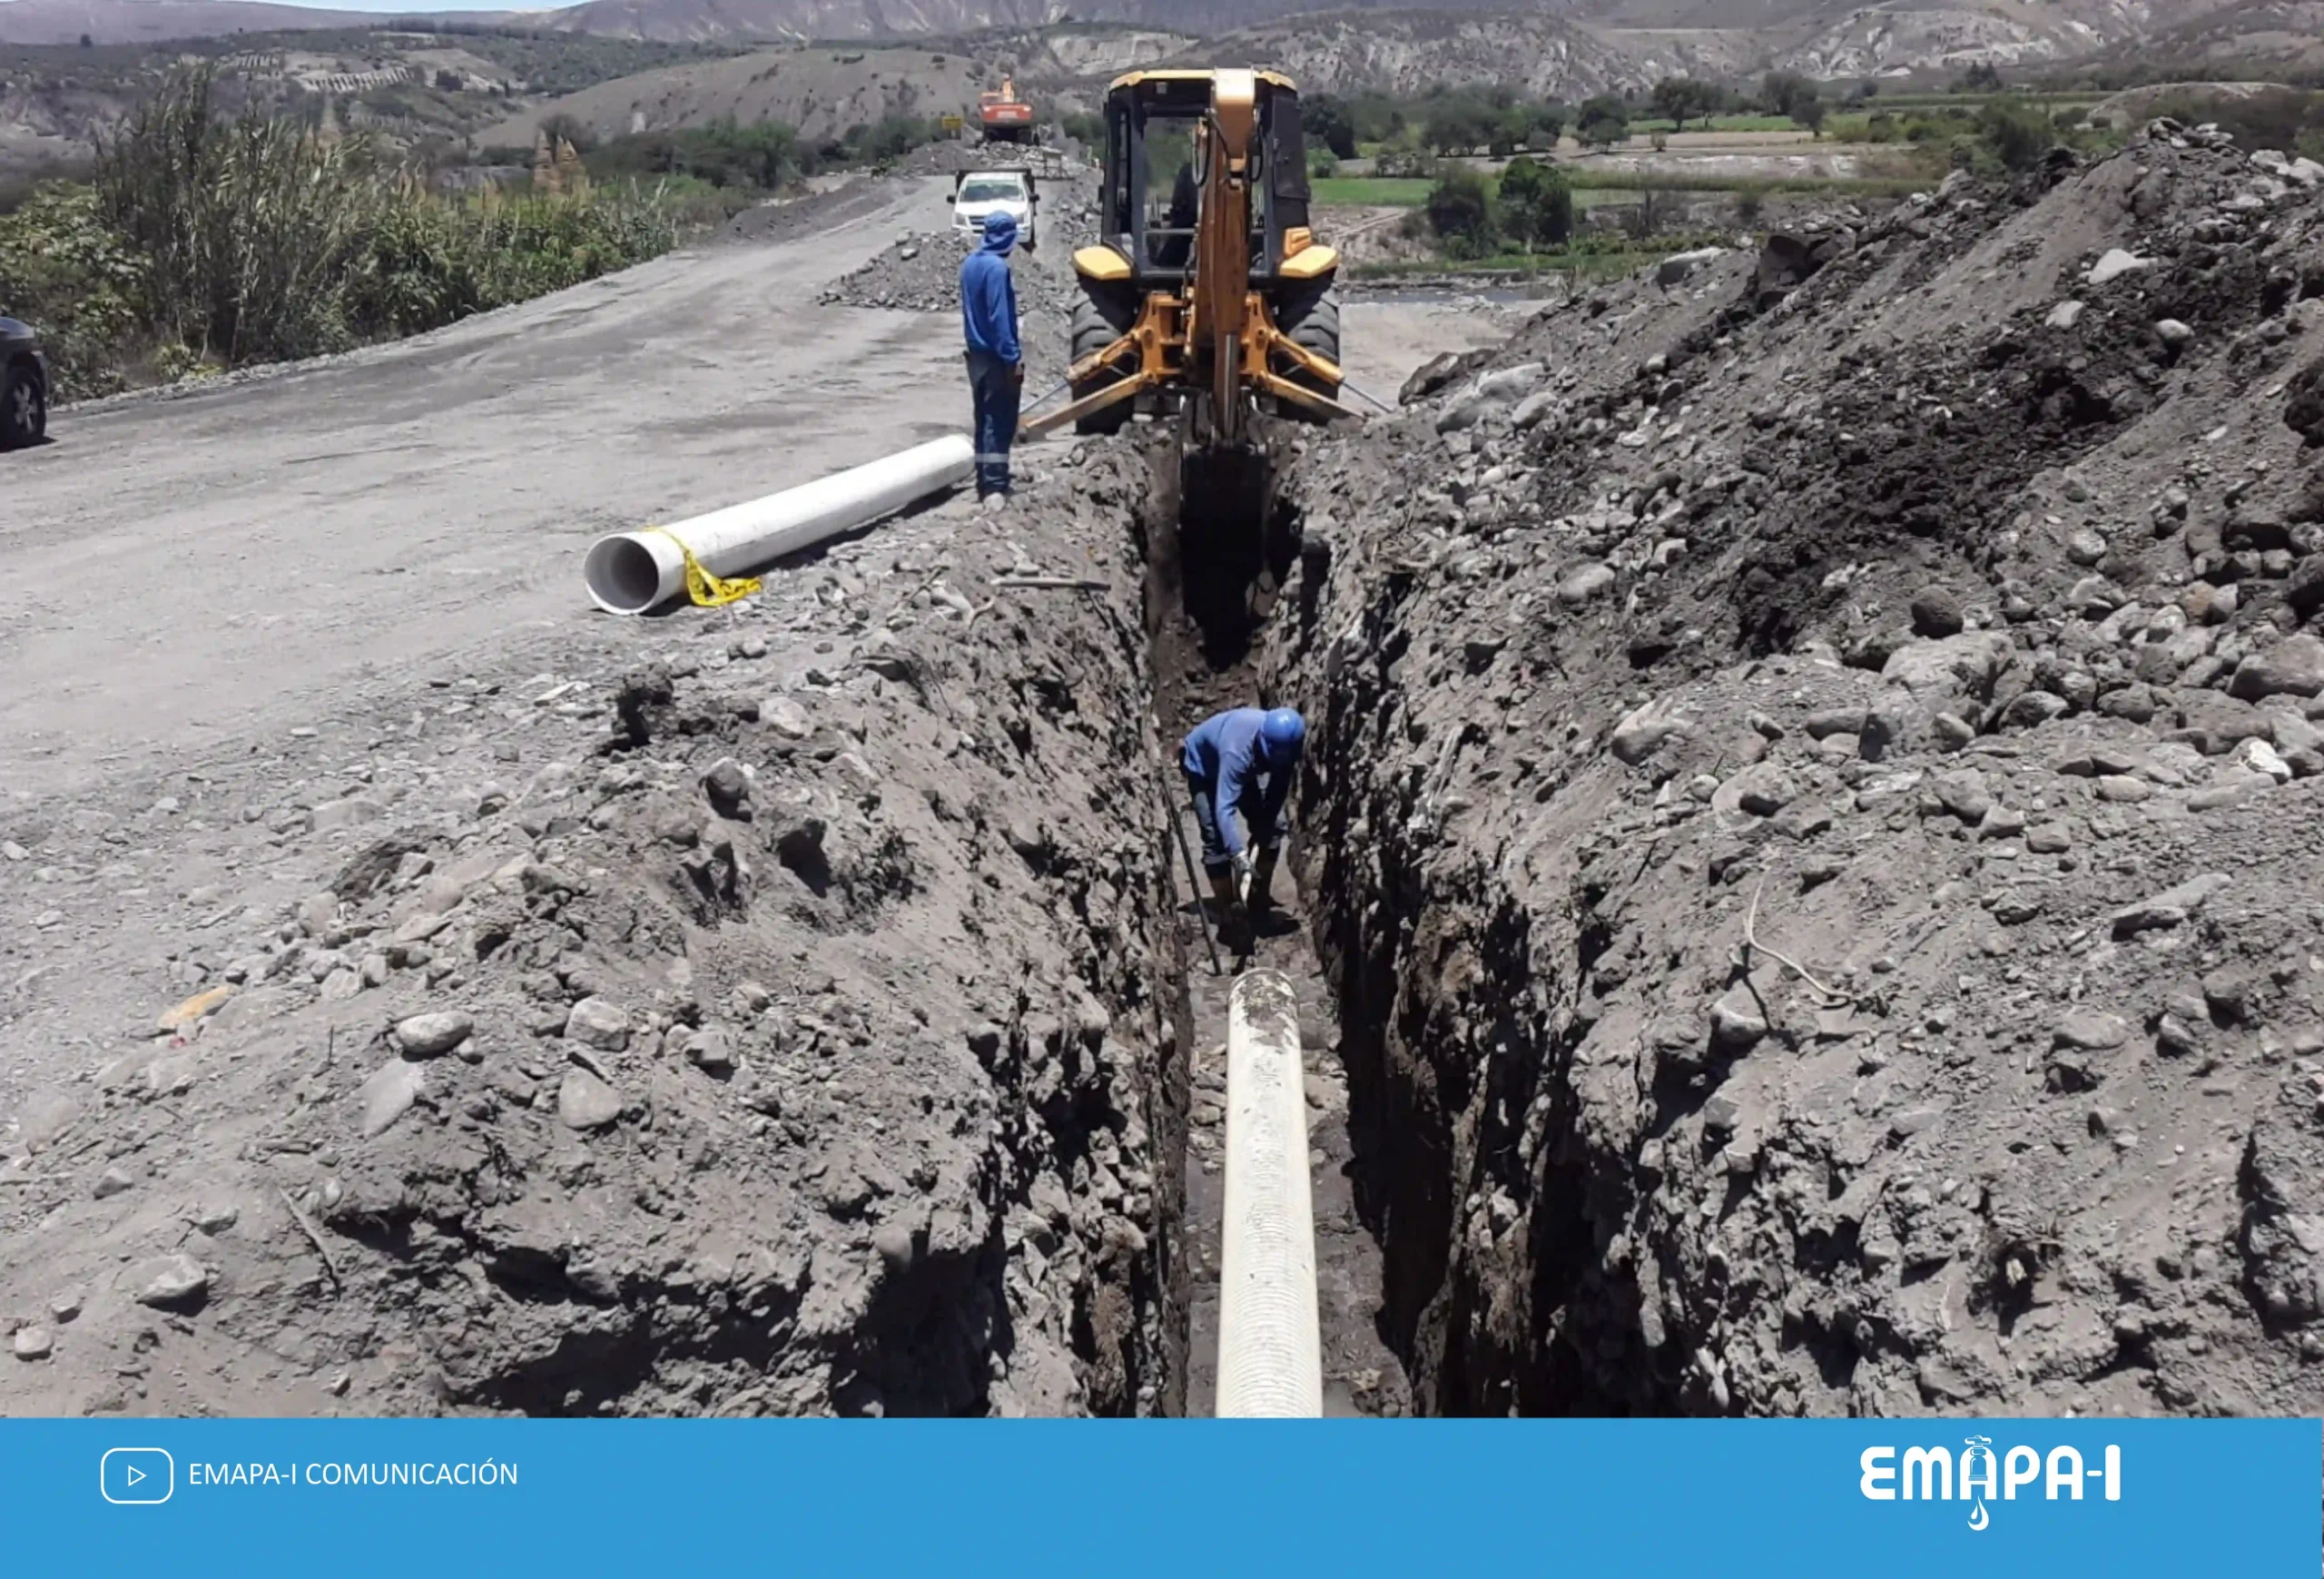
pixel 1963 1499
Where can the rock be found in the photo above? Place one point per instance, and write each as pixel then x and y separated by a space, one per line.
pixel 2115 263
pixel 1835 721
pixel 708 1051
pixel 216 1216
pixel 388 1094
pixel 2259 757
pixel 2085 547
pixel 354 812
pixel 65 1306
pixel 2228 995
pixel 2122 790
pixel 47 1119
pixel 1962 793
pixel 33 1343
pixel 2294 667
pixel 1585 582
pixel 893 1241
pixel 1937 612
pixel 2234 790
pixel 433 1035
pixel 594 1022
pixel 2064 315
pixel 174 1283
pixel 2049 839
pixel 2168 908
pixel 1679 267
pixel 2032 709
pixel 2215 724
pixel 1957 666
pixel 727 788
pixel 2091 1032
pixel 113 1181
pixel 1736 1027
pixel 585 1102
pixel 2000 822
pixel 2305 588
pixel 193 1009
pixel 1954 733
pixel 1429 377
pixel 1645 730
pixel 2172 332
pixel 785 717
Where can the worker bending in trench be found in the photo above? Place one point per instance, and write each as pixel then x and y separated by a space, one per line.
pixel 996 359
pixel 1241 761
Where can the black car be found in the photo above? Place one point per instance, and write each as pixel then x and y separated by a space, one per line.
pixel 24 386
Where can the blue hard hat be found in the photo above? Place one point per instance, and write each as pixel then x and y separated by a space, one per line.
pixel 1283 732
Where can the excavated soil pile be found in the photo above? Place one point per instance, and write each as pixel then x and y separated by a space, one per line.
pixel 1814 816
pixel 787 1031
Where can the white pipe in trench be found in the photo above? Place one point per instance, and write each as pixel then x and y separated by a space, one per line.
pixel 1270 1346
pixel 632 572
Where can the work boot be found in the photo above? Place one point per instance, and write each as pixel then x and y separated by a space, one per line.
pixel 1262 880
pixel 1229 908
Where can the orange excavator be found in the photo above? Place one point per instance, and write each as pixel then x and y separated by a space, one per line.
pixel 1003 116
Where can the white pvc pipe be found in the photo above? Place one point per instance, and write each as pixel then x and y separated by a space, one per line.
pixel 631 572
pixel 1270 1343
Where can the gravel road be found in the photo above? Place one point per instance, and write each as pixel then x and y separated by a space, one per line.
pixel 179 570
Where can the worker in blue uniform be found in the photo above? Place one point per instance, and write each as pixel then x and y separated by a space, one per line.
pixel 1239 762
pixel 996 357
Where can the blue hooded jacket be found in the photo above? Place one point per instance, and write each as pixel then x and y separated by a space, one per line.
pixel 989 292
pixel 1225 756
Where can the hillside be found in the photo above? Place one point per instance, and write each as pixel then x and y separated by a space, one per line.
pixel 822 92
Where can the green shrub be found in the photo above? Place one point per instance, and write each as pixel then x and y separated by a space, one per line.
pixel 66 271
pixel 205 243
pixel 2016 132
pixel 1460 210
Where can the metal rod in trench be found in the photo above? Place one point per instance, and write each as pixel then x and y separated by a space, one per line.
pixel 1194 879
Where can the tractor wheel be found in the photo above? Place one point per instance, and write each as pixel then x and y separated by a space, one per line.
pixel 1095 327
pixel 1311 317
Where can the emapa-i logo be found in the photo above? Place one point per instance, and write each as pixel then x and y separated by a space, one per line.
pixel 1928 1475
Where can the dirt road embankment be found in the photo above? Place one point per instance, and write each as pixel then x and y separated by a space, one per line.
pixel 1813 815
pixel 775 1019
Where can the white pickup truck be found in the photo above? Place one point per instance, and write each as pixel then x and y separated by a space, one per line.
pixel 979 192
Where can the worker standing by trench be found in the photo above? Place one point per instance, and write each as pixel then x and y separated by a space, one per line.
pixel 1240 762
pixel 996 359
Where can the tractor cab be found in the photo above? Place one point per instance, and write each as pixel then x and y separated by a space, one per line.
pixel 1155 153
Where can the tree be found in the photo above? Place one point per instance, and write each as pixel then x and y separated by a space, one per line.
pixel 1547 124
pixel 1460 210
pixel 1457 126
pixel 1809 112
pixel 1980 78
pixel 1603 122
pixel 1329 121
pixel 1682 99
pixel 1783 92
pixel 1536 203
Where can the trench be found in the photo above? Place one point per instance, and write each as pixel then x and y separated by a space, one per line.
pixel 1221 542
pixel 1435 1013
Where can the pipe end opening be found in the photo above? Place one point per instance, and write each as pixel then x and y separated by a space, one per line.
pixel 623 576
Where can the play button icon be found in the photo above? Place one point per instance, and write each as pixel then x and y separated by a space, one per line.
pixel 137 1477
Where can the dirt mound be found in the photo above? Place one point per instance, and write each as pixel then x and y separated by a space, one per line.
pixel 1813 817
pixel 782 1031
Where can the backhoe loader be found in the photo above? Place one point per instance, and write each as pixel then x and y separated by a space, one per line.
pixel 1207 295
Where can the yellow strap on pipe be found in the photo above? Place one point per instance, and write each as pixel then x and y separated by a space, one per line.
pixel 709 591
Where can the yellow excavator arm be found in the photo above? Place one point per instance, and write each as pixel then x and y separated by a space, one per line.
pixel 1211 330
